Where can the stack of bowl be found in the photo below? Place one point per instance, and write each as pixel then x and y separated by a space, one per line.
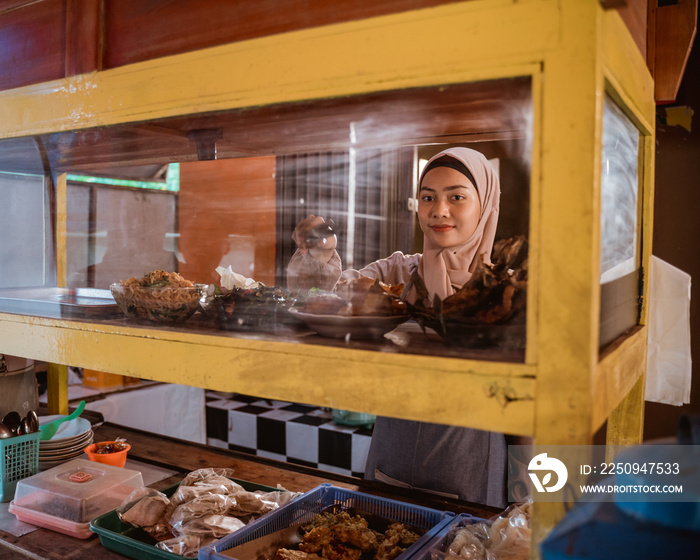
pixel 68 442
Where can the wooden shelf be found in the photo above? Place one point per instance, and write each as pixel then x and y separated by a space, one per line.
pixel 569 56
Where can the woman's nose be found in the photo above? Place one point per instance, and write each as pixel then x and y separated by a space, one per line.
pixel 440 208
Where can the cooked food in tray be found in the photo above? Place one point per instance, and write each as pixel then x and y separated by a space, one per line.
pixel 358 297
pixel 262 309
pixel 243 304
pixel 360 308
pixel 159 296
pixel 490 308
pixel 343 536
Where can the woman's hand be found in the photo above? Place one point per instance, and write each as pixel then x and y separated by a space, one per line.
pixel 319 247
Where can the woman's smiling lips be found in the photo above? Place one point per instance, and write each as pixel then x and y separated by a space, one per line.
pixel 441 228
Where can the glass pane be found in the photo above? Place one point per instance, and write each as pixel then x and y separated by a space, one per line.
pixel 619 244
pixel 248 177
pixel 619 194
pixel 23 251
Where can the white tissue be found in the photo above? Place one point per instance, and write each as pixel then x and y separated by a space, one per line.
pixel 231 279
pixel 668 354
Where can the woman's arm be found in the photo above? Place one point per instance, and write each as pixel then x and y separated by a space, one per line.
pixel 395 269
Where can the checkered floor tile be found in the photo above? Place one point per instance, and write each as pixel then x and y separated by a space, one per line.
pixel 290 432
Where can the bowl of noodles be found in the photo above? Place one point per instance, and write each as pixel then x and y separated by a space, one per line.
pixel 159 296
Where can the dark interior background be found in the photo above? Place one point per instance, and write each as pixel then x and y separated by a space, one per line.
pixel 677 225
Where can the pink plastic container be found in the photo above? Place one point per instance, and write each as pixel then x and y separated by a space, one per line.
pixel 68 497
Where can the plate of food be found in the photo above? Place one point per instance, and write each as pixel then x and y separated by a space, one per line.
pixel 159 296
pixel 360 308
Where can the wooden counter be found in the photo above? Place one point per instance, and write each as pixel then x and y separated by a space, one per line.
pixel 184 457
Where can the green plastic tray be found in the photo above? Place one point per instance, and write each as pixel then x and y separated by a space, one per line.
pixel 137 543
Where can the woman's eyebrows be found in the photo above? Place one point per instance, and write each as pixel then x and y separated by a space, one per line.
pixel 449 188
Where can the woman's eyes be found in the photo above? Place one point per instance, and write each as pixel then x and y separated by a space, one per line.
pixel 455 197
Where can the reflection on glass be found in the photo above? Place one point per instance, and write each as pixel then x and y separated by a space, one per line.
pixel 24 251
pixel 352 160
pixel 619 194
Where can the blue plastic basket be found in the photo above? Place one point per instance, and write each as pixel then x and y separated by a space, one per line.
pixel 306 506
pixel 20 459
pixel 439 542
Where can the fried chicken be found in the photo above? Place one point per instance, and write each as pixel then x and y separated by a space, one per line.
pixel 344 537
pixel 397 539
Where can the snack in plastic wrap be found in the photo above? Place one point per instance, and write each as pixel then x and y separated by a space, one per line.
pixel 186 545
pixel 507 538
pixel 144 507
pixel 206 506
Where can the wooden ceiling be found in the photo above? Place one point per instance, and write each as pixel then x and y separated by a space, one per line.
pixel 499 109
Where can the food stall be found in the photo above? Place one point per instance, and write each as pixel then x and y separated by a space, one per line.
pixel 535 84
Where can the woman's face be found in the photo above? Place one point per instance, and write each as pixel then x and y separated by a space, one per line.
pixel 448 207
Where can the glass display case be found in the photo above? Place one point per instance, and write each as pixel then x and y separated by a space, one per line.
pixel 244 186
pixel 336 121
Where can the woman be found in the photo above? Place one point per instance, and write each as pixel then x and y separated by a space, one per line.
pixel 458 205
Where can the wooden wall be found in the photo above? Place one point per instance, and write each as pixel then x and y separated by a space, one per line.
pixel 227 214
pixel 676 224
pixel 44 40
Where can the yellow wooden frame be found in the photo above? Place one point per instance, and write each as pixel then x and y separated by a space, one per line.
pixel 574 51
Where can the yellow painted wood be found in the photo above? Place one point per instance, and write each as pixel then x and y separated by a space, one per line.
pixel 46 328
pixel 626 422
pixel 448 44
pixel 57 388
pixel 568 307
pixel 615 376
pixel 630 81
pixel 534 243
pixel 569 231
pixel 415 387
pixel 647 218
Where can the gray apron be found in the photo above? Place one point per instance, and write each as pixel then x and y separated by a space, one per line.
pixel 454 462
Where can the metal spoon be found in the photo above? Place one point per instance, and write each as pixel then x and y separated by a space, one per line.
pixel 5 431
pixel 13 421
pixel 33 421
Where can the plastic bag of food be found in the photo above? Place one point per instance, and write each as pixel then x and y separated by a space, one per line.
pixel 185 545
pixel 506 537
pixel 201 506
pixel 468 543
pixel 210 477
pixel 206 506
pixel 212 525
pixel 258 502
pixel 204 481
pixel 144 507
pixel 208 502
pixel 509 534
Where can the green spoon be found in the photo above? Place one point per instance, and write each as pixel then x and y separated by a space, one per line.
pixel 48 430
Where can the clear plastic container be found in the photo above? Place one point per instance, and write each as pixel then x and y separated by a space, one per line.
pixel 67 497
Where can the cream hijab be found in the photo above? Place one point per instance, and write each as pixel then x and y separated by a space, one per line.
pixel 445 270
